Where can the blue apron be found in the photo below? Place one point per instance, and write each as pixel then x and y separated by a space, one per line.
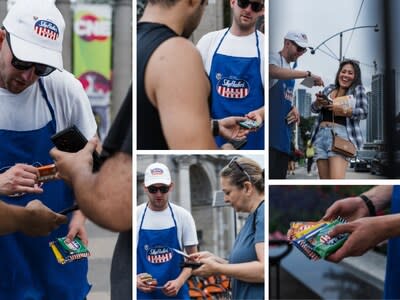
pixel 280 104
pixel 154 256
pixel 237 89
pixel 392 281
pixel 29 270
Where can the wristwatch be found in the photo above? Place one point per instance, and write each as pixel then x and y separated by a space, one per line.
pixel 215 127
pixel 308 73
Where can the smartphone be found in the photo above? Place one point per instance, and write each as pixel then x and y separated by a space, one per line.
pixel 325 97
pixel 69 209
pixel 72 140
pixel 190 264
pixel 237 144
pixel 249 124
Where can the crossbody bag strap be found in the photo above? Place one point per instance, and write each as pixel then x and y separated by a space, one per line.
pixel 333 122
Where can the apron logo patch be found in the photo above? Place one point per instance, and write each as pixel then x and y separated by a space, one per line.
pixel 233 88
pixel 158 255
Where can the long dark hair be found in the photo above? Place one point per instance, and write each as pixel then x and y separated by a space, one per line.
pixel 357 73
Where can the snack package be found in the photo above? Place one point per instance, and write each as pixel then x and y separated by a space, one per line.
pixel 67 252
pixel 47 173
pixel 148 278
pixel 312 238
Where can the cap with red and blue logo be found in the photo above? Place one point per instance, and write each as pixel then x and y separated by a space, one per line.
pixel 157 173
pixel 36 30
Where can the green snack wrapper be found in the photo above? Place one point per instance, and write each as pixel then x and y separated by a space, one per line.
pixel 67 252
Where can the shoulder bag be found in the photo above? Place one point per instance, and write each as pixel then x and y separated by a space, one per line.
pixel 341 145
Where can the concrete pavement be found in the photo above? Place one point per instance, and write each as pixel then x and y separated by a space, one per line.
pixel 301 173
pixel 101 247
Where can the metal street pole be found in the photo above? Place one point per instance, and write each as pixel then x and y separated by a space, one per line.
pixel 340 34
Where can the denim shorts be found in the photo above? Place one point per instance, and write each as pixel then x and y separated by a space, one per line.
pixel 323 141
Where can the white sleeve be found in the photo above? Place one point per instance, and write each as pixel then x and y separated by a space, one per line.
pixel 71 103
pixel 189 234
pixel 262 47
pixel 206 46
pixel 82 114
pixel 274 59
pixel 139 216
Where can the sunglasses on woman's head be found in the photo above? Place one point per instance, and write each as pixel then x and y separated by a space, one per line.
pixel 40 69
pixel 255 6
pixel 154 189
pixel 234 162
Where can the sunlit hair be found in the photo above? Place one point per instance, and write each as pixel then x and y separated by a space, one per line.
pixel 240 170
pixel 357 73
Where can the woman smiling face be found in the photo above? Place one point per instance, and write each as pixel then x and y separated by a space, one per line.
pixel 346 76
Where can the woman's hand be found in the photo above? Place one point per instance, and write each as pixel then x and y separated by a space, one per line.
pixel 321 100
pixel 340 110
pixel 209 267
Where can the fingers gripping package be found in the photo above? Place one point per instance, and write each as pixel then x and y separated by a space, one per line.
pixel 66 252
pixel 312 238
pixel 149 279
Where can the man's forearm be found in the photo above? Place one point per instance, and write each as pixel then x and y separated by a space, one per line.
pixel 105 197
pixel 276 72
pixel 380 196
pixel 10 217
pixel 391 225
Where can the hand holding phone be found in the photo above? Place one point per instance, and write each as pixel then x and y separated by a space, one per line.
pixel 249 124
pixel 191 264
pixel 72 140
pixel 326 100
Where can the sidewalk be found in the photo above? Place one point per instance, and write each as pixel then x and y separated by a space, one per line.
pixel 301 173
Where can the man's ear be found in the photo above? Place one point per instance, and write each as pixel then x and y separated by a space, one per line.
pixel 2 37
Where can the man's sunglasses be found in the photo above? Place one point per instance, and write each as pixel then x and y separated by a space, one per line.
pixel 255 6
pixel 40 69
pixel 233 162
pixel 154 189
pixel 298 48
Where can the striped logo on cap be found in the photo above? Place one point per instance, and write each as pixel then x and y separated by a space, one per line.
pixel 47 29
pixel 157 171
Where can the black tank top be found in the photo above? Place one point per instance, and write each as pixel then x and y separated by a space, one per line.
pixel 328 116
pixel 149 132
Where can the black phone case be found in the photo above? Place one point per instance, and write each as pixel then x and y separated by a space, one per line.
pixel 237 144
pixel 72 140
pixel 192 265
pixel 69 209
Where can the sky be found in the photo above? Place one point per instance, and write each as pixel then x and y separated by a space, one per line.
pixel 321 19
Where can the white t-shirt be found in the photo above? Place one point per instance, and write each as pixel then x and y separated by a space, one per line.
pixel 163 219
pixel 28 110
pixel 232 45
pixel 277 60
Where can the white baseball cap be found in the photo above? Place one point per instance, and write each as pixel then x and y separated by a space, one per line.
pixel 300 38
pixel 157 173
pixel 36 29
